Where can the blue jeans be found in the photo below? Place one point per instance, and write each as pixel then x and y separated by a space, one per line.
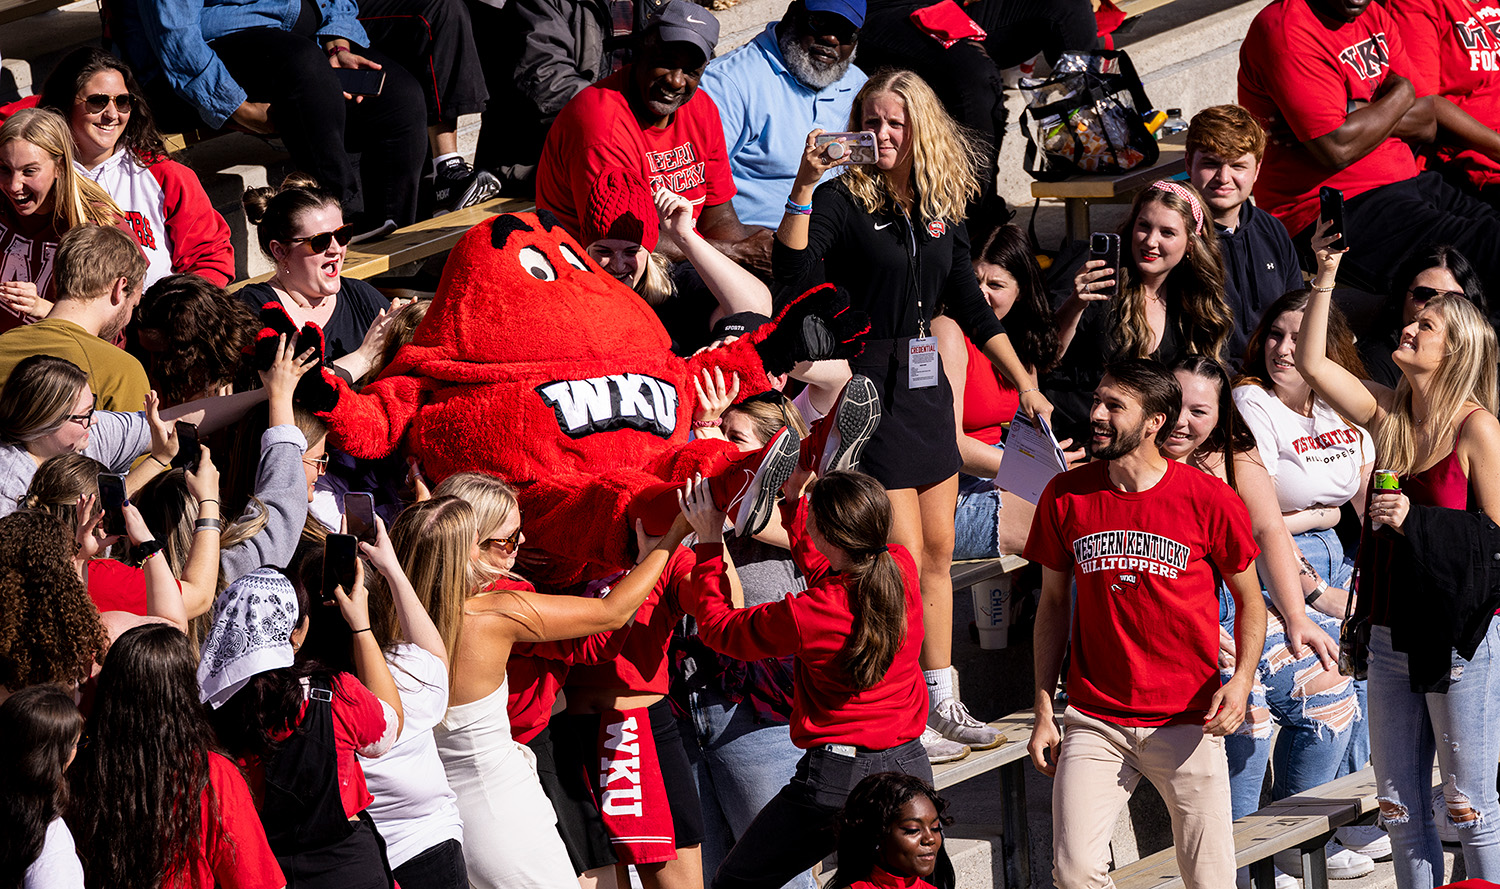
pixel 976 520
pixel 1317 728
pixel 1408 729
pixel 739 765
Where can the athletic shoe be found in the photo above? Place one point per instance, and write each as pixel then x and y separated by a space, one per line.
pixel 747 491
pixel 1366 839
pixel 838 438
pixel 457 185
pixel 951 719
pixel 1283 880
pixel 1447 831
pixel 940 749
pixel 1343 864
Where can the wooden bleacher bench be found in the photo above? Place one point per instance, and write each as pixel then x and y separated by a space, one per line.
pixel 416 242
pixel 1301 822
pixel 1078 191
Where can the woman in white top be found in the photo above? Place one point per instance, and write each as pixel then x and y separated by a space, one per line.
pixel 1319 461
pixel 39 732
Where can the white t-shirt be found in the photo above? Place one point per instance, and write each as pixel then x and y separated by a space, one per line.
pixel 1315 461
pixel 57 866
pixel 414 807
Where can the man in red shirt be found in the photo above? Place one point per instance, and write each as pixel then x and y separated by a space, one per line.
pixel 650 116
pixel 1146 539
pixel 1329 80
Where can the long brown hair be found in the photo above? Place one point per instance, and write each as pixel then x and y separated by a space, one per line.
pixel 853 513
pixel 1340 349
pixel 1194 289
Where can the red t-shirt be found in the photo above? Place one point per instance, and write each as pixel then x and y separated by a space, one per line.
pixel 1146 626
pixel 989 401
pixel 1454 53
pixel 116 586
pixel 880 878
pixel 642 666
pixel 235 852
pixel 597 130
pixel 812 627
pixel 1293 68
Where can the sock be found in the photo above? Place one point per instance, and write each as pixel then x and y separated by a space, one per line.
pixel 939 685
pixel 442 160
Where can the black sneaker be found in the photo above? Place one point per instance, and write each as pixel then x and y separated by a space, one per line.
pixel 457 185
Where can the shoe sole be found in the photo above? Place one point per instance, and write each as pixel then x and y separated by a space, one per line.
pixel 999 739
pixel 855 418
pixel 484 187
pixel 940 759
pixel 759 496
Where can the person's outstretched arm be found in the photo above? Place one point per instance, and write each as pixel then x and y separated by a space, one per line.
pixel 1348 395
pixel 736 289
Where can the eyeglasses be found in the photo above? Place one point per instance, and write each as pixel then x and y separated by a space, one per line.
pixel 98 101
pixel 85 419
pixel 320 464
pixel 1423 294
pixel 320 241
pixel 506 545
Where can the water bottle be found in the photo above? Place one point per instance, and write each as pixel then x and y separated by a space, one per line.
pixel 1174 124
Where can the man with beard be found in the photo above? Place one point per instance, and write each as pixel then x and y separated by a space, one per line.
pixel 1146 539
pixel 795 77
pixel 99 273
pixel 650 117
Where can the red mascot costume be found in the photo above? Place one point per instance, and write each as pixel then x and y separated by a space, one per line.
pixel 535 364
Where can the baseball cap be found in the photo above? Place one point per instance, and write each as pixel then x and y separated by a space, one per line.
pixel 687 22
pixel 853 10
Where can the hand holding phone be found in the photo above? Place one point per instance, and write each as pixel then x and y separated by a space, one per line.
pixel 112 499
pixel 189 449
pixel 1104 280
pixel 339 554
pixel 359 516
pixel 849 148
pixel 1331 209
pixel 360 81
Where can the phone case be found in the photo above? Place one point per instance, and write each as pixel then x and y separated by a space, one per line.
pixel 860 146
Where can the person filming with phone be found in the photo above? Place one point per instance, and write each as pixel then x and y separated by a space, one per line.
pixel 1164 301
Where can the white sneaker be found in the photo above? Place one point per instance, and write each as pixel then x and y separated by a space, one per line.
pixel 940 749
pixel 1366 839
pixel 1283 880
pixel 1343 864
pixel 1447 830
pixel 951 719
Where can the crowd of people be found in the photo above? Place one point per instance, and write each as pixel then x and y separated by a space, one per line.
pixel 233 651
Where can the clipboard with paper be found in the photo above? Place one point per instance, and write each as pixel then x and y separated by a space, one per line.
pixel 1032 457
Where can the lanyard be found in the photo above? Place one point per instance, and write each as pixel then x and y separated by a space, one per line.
pixel 911 267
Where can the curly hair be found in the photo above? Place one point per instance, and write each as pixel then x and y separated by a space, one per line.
pixel 1194 289
pixel 66 83
pixel 141 783
pixel 39 729
pixel 196 334
pixel 49 628
pixel 873 806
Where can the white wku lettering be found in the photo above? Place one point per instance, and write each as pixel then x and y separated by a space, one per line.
pixel 617 401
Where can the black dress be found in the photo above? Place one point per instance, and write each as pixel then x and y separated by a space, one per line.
pixel 901 272
pixel 355 308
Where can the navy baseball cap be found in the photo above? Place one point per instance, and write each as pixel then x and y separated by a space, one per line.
pixel 853 10
pixel 687 22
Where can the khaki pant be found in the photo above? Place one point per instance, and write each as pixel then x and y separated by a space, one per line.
pixel 1097 771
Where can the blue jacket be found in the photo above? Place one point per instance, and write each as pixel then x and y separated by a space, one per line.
pixel 1260 265
pixel 170 38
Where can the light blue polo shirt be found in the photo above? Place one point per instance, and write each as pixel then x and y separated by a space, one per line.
pixel 767 115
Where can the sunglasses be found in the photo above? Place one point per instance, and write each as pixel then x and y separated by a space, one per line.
pixel 1423 294
pixel 830 24
pixel 506 545
pixel 97 102
pixel 320 464
pixel 320 241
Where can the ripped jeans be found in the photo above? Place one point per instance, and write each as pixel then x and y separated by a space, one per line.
pixel 1407 730
pixel 1320 714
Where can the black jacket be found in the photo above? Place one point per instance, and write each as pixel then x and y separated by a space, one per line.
pixel 1260 265
pixel 1444 587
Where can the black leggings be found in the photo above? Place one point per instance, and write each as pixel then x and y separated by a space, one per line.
pixel 321 129
pixel 434 41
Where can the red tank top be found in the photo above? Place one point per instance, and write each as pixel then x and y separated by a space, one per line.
pixel 989 401
pixel 1443 483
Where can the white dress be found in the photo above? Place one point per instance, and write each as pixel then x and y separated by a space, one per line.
pixel 510 827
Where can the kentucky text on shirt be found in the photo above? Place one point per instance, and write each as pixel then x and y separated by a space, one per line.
pixel 1324 440
pixel 678 169
pixel 1113 550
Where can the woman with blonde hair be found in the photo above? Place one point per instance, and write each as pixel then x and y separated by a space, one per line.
pixel 1423 586
pixel 44 198
pixel 508 839
pixel 1166 302
pixel 892 234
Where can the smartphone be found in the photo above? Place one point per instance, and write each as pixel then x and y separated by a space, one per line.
pixel 1106 246
pixel 360 81
pixel 339 553
pixel 189 449
pixel 1331 206
pixel 859 148
pixel 308 338
pixel 359 513
pixel 112 498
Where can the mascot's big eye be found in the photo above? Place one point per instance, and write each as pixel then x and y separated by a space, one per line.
pixel 573 258
pixel 535 263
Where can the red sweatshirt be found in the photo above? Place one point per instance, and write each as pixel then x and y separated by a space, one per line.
pixel 537 671
pixel 642 666
pixel 812 627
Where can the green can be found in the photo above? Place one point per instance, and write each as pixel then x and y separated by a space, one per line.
pixel 1386 480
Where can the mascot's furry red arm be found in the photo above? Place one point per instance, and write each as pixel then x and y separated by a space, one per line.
pixel 536 365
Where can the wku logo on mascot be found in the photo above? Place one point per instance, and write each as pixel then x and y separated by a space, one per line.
pixel 536 365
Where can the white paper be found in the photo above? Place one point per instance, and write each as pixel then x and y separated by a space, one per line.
pixel 1032 457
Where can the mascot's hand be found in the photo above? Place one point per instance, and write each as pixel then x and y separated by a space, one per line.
pixel 317 391
pixel 818 324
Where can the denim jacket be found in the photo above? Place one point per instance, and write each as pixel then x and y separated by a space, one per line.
pixel 175 34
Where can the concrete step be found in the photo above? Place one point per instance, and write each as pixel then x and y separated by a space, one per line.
pixel 32 46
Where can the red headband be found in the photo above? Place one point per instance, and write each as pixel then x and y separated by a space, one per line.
pixel 1178 189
